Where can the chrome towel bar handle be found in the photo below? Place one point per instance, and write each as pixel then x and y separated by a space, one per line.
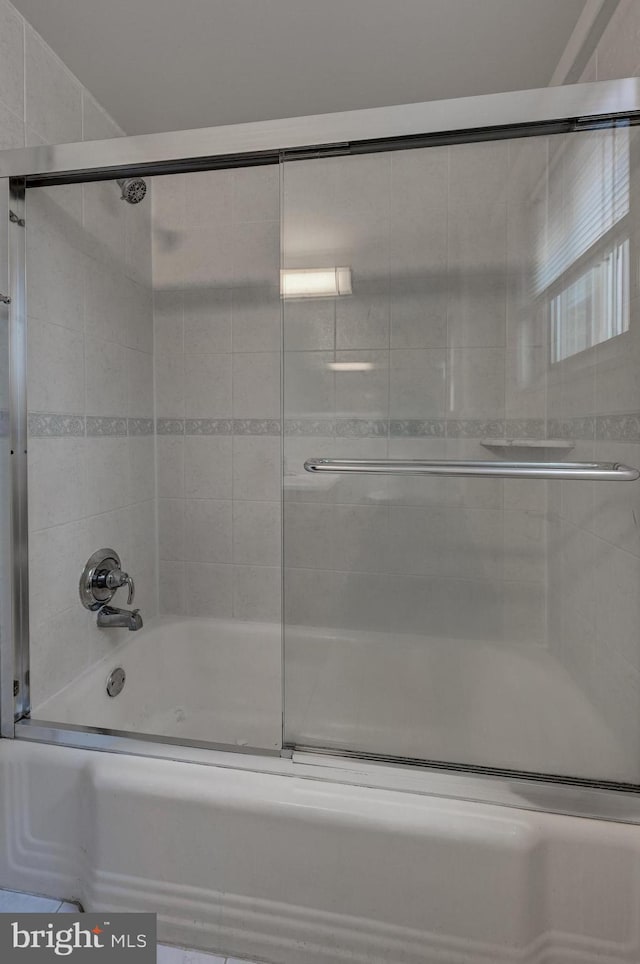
pixel 593 471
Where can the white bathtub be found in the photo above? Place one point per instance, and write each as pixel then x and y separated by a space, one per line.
pixel 301 865
pixel 208 680
pixel 475 702
pixel 310 860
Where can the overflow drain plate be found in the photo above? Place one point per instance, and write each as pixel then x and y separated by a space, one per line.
pixel 116 681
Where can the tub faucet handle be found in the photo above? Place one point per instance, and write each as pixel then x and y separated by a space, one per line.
pixel 101 577
pixel 116 578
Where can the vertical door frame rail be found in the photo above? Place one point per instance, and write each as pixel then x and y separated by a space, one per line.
pixel 496 116
pixel 14 619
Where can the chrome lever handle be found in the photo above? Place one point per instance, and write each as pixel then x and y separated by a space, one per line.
pixel 116 578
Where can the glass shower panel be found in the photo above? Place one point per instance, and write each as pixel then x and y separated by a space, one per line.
pixel 490 313
pixel 154 418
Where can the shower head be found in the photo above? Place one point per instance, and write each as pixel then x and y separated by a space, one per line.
pixel 133 189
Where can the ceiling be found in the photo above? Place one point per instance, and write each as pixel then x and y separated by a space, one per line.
pixel 176 64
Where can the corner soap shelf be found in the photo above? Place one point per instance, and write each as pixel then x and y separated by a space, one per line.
pixel 528 443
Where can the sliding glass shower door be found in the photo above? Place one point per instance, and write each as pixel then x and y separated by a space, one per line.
pixel 474 307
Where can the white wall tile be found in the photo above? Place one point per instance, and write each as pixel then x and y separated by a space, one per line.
pixel 105 220
pixel 58 650
pixel 142 475
pixel 361 537
pixel 256 319
pixel 257 592
pixel 168 322
pixel 58 584
pixel 362 319
pixel 256 193
pixel 53 96
pixel 107 368
pixel 142 548
pixel 207 386
pixel 207 320
pixel 57 485
pixel 475 382
pixel 418 309
pixel 209 590
pixel 256 385
pixel 97 125
pixel 11 59
pixel 256 252
pixel 170 467
pixel 169 385
pixel 309 324
pixel 11 129
pixel 309 384
pixel 208 530
pixel 57 269
pixel 200 256
pixel 207 467
pixel 171 588
pixel 477 310
pixel 363 394
pixel 526 382
pixel 107 465
pixel 309 596
pixel 309 531
pixel 140 384
pixel 208 197
pixel 257 533
pixel 105 302
pixel 256 468
pixel 417 383
pixel 111 529
pixel 138 242
pixel 525 546
pixel 618 52
pixel 171 527
pixel 55 372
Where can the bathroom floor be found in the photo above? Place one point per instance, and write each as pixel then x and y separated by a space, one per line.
pixel 14 902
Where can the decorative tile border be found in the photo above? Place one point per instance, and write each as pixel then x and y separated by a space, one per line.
pixel 218 426
pixel 208 426
pixel 580 428
pixel 618 428
pixel 309 426
pixel 98 425
pixel 55 425
pixel 170 426
pixel 525 428
pixel 49 425
pixel 362 428
pixel 140 426
pixel 417 428
pixel 475 428
pixel 256 426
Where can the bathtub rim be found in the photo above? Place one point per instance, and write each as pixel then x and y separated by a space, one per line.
pixel 619 803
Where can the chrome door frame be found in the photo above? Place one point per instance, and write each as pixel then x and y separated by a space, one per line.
pixel 507 115
pixel 358 130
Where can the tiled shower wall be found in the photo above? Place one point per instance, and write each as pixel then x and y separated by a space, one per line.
pixel 90 374
pixel 594 556
pixel 216 260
